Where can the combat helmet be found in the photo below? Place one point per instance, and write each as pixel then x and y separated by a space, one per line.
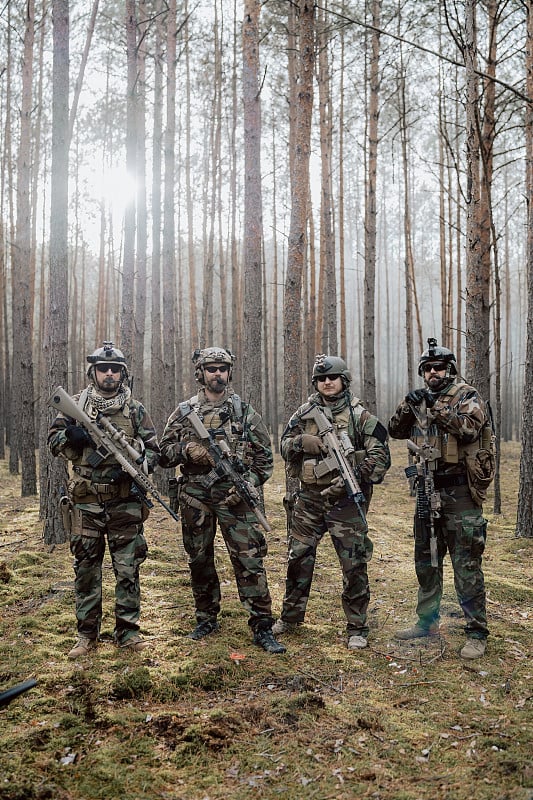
pixel 107 354
pixel 436 353
pixel 331 365
pixel 211 355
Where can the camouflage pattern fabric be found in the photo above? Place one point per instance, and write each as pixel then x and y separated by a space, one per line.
pixel 459 411
pixel 314 514
pixel 121 524
pixel 246 546
pixel 105 506
pixel 202 508
pixel 461 531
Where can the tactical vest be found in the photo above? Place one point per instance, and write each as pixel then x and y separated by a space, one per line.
pixel 341 425
pixel 121 418
pixel 476 459
pixel 225 421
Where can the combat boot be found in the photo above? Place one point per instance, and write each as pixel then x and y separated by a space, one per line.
pixel 284 627
pixel 204 628
pixel 265 639
pixel 417 631
pixel 357 642
pixel 135 643
pixel 474 648
pixel 82 647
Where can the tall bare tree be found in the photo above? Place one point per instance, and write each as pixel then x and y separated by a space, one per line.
pixel 300 151
pixel 22 401
pixel 524 522
pixel 369 356
pixel 128 260
pixel 253 206
pixel 53 471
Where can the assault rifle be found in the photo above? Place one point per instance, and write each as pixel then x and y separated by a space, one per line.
pixel 110 441
pixel 10 694
pixel 338 449
pixel 428 502
pixel 226 466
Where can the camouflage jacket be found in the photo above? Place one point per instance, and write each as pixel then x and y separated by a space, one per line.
pixel 459 414
pixel 133 420
pixel 238 423
pixel 367 434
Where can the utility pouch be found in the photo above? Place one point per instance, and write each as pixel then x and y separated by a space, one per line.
pixel 175 486
pixel 65 509
pixel 480 469
pixel 359 456
pixel 449 449
pixel 81 491
pixel 308 470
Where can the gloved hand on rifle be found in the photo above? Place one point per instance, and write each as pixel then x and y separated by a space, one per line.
pixel 312 445
pixel 78 438
pixel 416 396
pixel 198 454
pixel 336 489
pixel 232 498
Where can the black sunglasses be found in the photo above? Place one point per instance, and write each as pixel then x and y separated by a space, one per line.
pixel 438 366
pixel 105 367
pixel 212 368
pixel 322 378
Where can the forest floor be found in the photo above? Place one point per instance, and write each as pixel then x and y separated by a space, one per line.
pixel 221 718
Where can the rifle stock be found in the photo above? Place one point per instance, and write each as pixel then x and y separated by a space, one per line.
pixel 110 441
pixel 224 469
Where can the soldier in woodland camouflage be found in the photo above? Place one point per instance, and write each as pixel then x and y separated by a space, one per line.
pixel 451 417
pixel 104 502
pixel 238 426
pixel 323 504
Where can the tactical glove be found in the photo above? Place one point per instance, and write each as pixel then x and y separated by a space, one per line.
pixel 198 454
pixel 312 444
pixel 232 498
pixel 336 489
pixel 78 438
pixel 416 396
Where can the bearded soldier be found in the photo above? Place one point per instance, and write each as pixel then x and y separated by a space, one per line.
pixel 204 502
pixel 104 501
pixel 324 503
pixel 452 422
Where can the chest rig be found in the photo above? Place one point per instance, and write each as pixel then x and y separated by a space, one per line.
pixel 121 418
pixel 225 421
pixel 452 451
pixel 352 446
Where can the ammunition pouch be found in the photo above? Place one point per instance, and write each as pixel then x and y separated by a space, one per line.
pixel 175 486
pixel 65 509
pixel 480 469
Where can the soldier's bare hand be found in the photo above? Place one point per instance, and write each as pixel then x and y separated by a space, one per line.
pixel 312 444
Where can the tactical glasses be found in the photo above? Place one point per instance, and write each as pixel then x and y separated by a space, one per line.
pixel 322 378
pixel 438 366
pixel 212 368
pixel 106 367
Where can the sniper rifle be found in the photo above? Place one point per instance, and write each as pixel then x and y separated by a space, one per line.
pixel 110 441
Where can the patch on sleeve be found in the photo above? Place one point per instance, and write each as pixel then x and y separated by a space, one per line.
pixel 380 432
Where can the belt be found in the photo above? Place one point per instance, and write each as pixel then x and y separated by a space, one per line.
pixel 445 481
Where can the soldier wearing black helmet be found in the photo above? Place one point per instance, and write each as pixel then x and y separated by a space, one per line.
pixel 451 417
pixel 244 433
pixel 104 504
pixel 323 504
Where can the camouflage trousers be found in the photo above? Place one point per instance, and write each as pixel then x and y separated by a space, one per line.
pixel 461 531
pixel 246 546
pixel 120 522
pixel 314 515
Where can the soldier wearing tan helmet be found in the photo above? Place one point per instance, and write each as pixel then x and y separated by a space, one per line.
pixel 104 503
pixel 203 506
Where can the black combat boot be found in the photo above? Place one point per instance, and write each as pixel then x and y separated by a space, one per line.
pixel 204 628
pixel 265 639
